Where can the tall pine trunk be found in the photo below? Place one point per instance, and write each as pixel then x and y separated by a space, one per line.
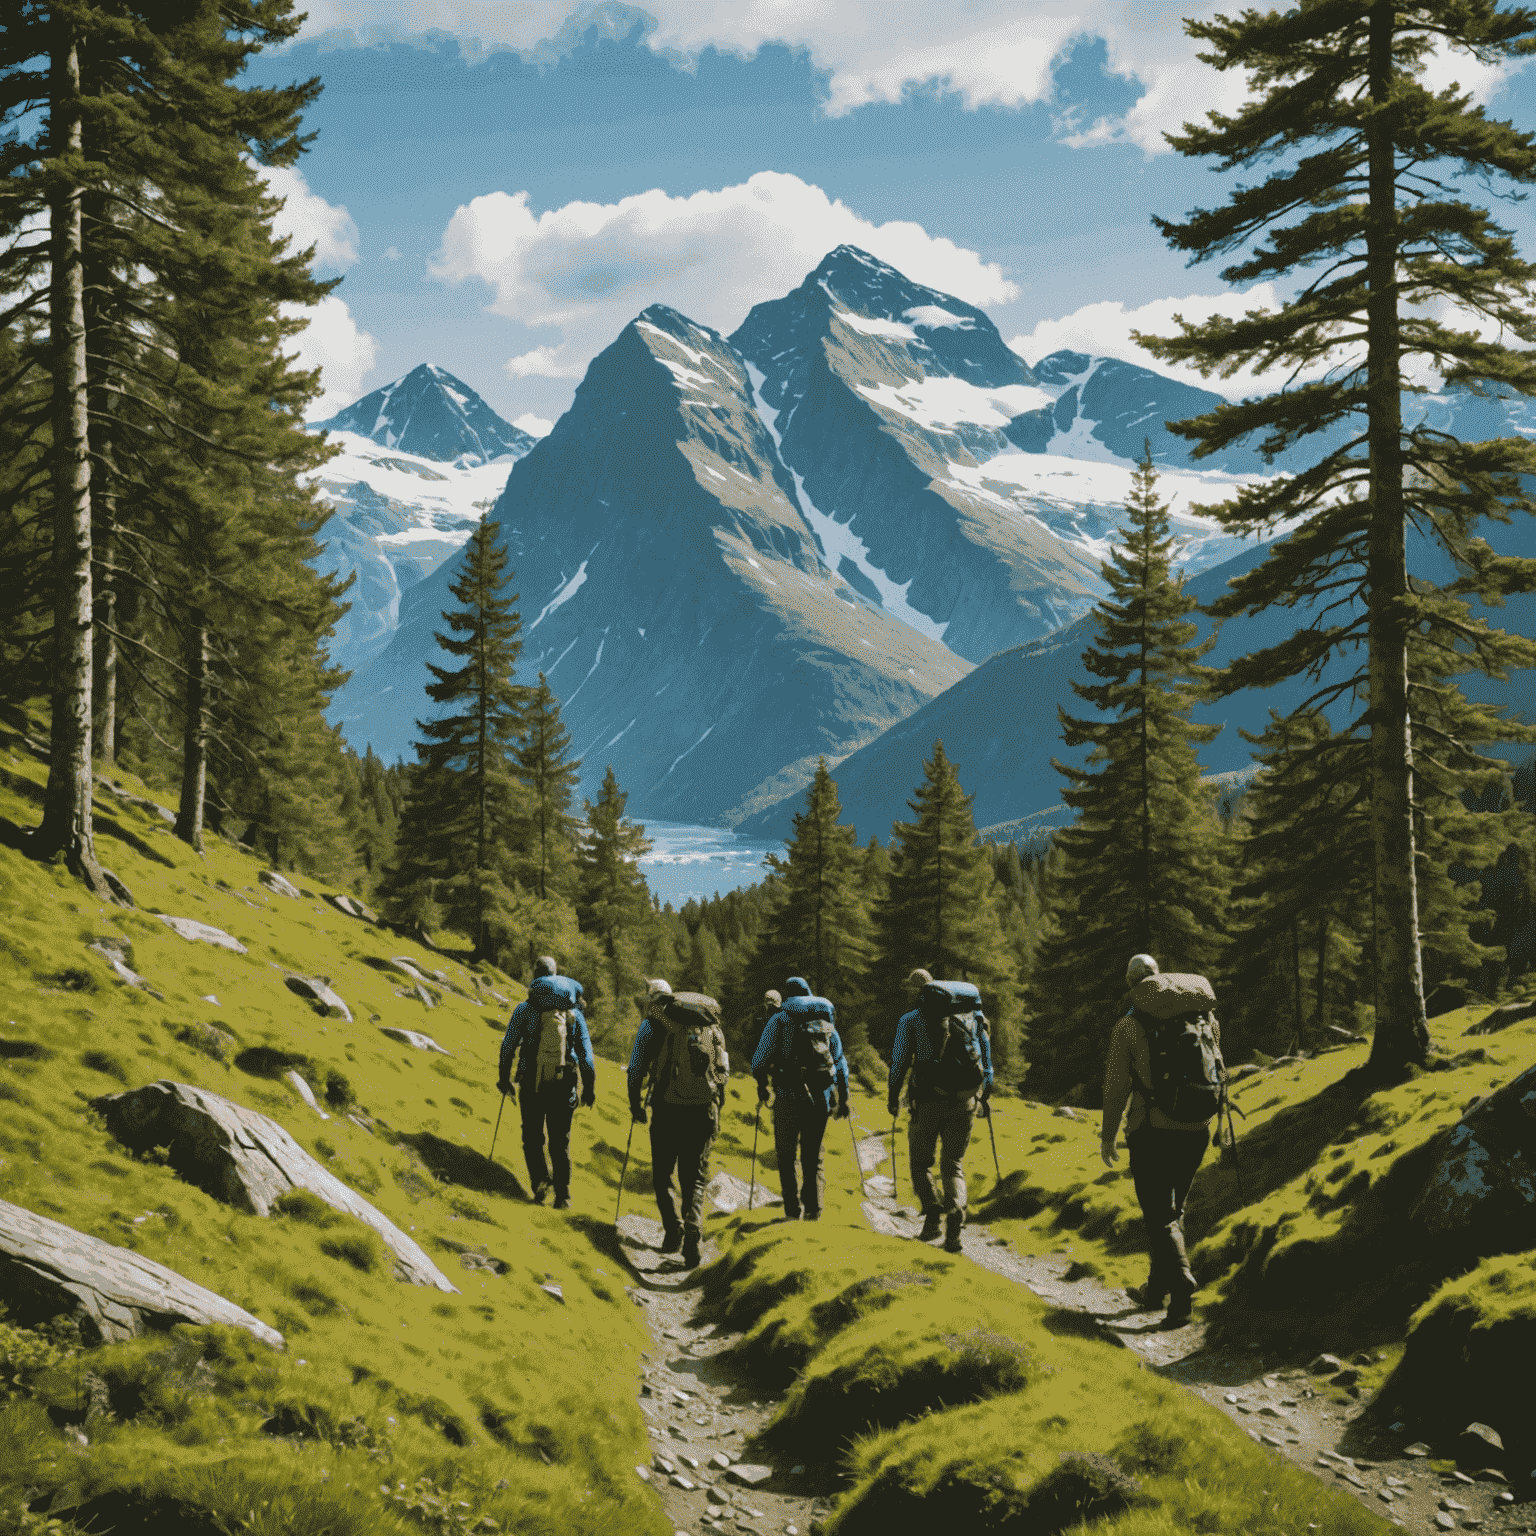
pixel 1401 1032
pixel 194 738
pixel 66 823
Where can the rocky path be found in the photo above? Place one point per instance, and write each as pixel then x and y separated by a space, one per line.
pixel 1278 1405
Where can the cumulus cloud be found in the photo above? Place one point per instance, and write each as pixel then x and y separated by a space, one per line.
pixel 308 220
pixel 333 343
pixel 534 426
pixel 588 268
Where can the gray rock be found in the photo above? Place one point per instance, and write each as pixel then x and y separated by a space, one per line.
pixel 116 955
pixel 275 882
pixel 352 907
pixel 47 1268
pixel 201 933
pixel 426 997
pixel 304 1091
pixel 411 1038
pixel 319 995
pixel 725 1193
pixel 1502 1017
pixel 555 1291
pixel 1325 1364
pixel 246 1160
pixel 750 1474
pixel 407 967
pixel 1066 1112
pixel 1485 1180
pixel 118 889
pixel 153 807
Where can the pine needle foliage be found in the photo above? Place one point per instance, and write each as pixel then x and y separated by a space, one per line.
pixel 549 775
pixel 1364 208
pixel 612 897
pixel 1143 870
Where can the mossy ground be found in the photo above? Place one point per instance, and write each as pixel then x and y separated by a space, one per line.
pixel 395 1406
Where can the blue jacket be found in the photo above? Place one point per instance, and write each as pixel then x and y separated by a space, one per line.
pixel 774 1043
pixel 914 1043
pixel 522 1037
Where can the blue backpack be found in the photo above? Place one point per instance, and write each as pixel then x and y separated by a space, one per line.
pixel 808 1051
pixel 952 1014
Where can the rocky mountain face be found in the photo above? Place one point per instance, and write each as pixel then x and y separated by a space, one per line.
pixel 673 594
pixel 422 461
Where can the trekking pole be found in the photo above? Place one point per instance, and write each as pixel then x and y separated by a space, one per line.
pixel 624 1170
pixel 987 1109
pixel 894 1179
pixel 1236 1163
pixel 756 1117
pixel 497 1131
pixel 856 1162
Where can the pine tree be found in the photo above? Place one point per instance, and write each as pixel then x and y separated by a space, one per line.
pixel 939 912
pixel 456 854
pixel 1143 870
pixel 1364 194
pixel 612 898
pixel 818 927
pixel 549 773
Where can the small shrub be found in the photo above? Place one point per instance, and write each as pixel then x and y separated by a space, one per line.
pixel 315 1299
pixel 106 1064
pixel 25 1354
pixel 338 1091
pixel 361 1249
pixel 306 1206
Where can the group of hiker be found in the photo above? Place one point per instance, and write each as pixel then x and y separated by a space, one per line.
pixel 1163 1067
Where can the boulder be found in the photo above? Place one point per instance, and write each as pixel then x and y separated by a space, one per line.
pixel 319 995
pixel 1502 1017
pixel 421 994
pixel 353 908
pixel 275 882
pixel 152 806
pixel 304 1091
pixel 47 1268
pixel 411 1038
pixel 1484 1183
pixel 726 1193
pixel 246 1160
pixel 115 954
pixel 1478 1444
pixel 407 967
pixel 750 1474
pixel 201 933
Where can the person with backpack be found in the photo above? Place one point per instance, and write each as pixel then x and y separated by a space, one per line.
pixel 680 1047
pixel 944 1043
pixel 1165 1066
pixel 800 1050
pixel 548 1035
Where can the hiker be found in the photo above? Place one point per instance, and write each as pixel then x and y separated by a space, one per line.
pixel 548 1033
pixel 800 1050
pixel 1165 1062
pixel 770 1005
pixel 681 1046
pixel 944 1043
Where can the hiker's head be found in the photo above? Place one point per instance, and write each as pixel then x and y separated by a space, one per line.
pixel 797 986
pixel 545 965
pixel 917 981
pixel 771 1000
pixel 1139 969
pixel 656 993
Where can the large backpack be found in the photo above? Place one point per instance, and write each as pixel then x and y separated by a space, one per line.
pixel 807 1053
pixel 553 999
pixel 951 1012
pixel 692 1065
pixel 1189 1078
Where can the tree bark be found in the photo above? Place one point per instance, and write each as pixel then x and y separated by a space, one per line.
pixel 194 739
pixel 1402 1035
pixel 66 824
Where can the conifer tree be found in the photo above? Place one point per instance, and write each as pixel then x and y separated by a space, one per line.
pixel 456 855
pixel 612 898
pixel 1364 196
pixel 939 912
pixel 1142 869
pixel 818 927
pixel 549 774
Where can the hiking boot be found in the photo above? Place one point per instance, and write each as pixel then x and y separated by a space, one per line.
pixel 810 1215
pixel 1145 1297
pixel 1181 1282
pixel 932 1221
pixel 562 1200
pixel 671 1239
pixel 540 1192
pixel 952 1224
pixel 1180 1312
pixel 691 1258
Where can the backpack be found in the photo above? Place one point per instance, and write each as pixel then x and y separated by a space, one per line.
pixel 807 1054
pixel 1189 1078
pixel 951 1010
pixel 693 1064
pixel 553 999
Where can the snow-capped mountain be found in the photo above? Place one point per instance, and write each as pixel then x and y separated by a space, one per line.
pixel 673 594
pixel 422 461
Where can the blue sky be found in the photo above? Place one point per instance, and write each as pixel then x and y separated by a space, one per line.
pixel 505 191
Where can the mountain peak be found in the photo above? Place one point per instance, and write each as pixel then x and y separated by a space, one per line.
pixel 431 413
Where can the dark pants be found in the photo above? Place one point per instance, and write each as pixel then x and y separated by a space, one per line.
pixel 940 1122
pixel 548 1110
pixel 681 1136
pixel 799 1128
pixel 1163 1165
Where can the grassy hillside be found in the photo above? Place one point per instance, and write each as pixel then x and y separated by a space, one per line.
pixel 908 1375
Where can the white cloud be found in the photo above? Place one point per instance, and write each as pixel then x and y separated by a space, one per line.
pixel 588 268
pixel 333 343
pixel 534 426
pixel 309 220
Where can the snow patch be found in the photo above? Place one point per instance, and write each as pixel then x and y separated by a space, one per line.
pixel 590 670
pixel 868 325
pixel 566 593
pixel 948 402
pixel 934 317
pixel 681 755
